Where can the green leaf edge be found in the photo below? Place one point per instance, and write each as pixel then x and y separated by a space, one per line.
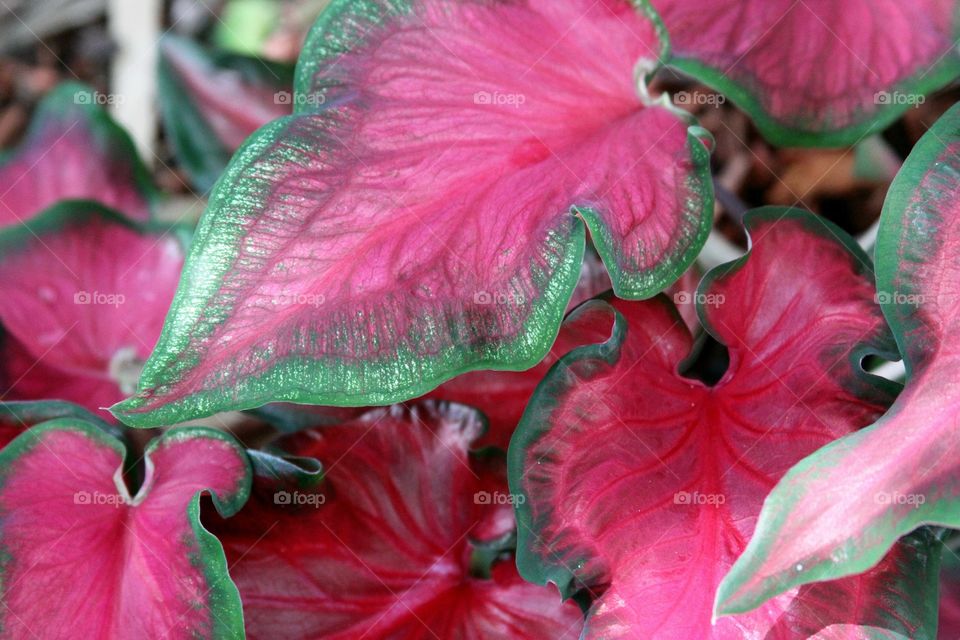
pixel 532 566
pixel 340 12
pixel 55 217
pixel 915 169
pixel 210 556
pixel 776 132
pixel 62 100
pixel 260 390
pixel 891 237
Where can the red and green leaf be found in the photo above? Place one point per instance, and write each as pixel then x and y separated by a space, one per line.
pixel 86 292
pixel 431 218
pixel 73 150
pixel 212 102
pixel 82 558
pixel 642 486
pixel 837 512
pixel 393 543
pixel 828 72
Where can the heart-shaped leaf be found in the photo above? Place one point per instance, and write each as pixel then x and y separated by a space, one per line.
pixel 827 72
pixel 82 558
pixel 228 96
pixel 85 294
pixel 852 499
pixel 73 150
pixel 642 485
pixel 389 546
pixel 428 223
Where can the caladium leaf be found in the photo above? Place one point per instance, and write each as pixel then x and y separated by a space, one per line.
pixel 384 548
pixel 73 150
pixel 85 559
pixel 85 293
pixel 366 252
pixel 212 102
pixel 828 72
pixel 642 485
pixel 855 497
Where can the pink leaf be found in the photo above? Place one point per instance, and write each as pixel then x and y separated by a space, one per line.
pixel 86 293
pixel 643 486
pixel 73 150
pixel 384 548
pixel 433 211
pixel 839 510
pixel 85 559
pixel 822 72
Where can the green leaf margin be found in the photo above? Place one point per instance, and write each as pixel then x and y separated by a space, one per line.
pixel 274 385
pixel 940 75
pixel 223 594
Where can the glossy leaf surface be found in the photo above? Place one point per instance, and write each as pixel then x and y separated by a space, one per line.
pixel 425 224
pixel 643 486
